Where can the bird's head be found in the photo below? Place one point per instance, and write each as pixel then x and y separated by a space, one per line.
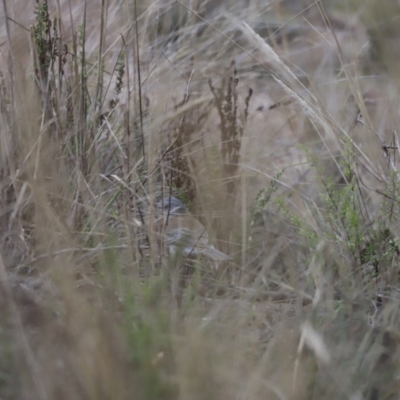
pixel 172 205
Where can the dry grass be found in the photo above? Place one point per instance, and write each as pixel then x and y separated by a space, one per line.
pixel 275 124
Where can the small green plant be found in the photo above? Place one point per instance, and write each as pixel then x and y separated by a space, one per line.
pixel 264 197
pixel 46 43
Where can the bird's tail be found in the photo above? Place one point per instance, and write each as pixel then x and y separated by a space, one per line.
pixel 216 255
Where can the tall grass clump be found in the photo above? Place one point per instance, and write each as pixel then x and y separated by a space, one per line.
pixel 276 126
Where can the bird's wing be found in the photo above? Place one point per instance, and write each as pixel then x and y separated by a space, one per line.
pixel 181 237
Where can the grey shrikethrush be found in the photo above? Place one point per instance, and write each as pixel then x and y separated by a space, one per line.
pixel 184 233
